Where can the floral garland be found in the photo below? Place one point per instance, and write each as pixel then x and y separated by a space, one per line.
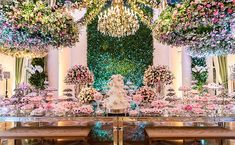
pixel 203 26
pixel 35 27
pixel 156 74
pixel 79 75
pixel 87 95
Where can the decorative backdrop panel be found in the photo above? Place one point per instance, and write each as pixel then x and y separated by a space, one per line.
pixel 128 56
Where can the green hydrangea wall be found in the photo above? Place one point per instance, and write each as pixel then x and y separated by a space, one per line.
pixel 128 56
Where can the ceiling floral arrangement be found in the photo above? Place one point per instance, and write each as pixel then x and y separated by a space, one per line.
pixel 34 28
pixel 19 44
pixel 204 27
pixel 117 18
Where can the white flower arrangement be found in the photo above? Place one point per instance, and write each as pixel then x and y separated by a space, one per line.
pixel 199 69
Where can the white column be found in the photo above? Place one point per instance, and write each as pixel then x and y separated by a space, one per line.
pixel 231 61
pixel 161 54
pixel 53 69
pixel 64 65
pixel 209 63
pixel 175 57
pixel 79 52
pixel 186 68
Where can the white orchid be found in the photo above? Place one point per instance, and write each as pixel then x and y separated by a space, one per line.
pixel 39 68
pixel 32 70
pixel 199 69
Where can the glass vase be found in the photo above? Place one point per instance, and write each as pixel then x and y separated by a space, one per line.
pixel 77 89
pixel 159 88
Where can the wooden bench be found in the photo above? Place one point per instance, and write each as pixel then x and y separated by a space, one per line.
pixel 195 133
pixel 57 132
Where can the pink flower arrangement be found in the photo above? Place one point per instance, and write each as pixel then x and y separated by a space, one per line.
pixel 177 110
pixel 48 106
pixel 159 104
pixel 36 99
pixel 133 112
pixel 212 107
pixel 98 96
pixel 198 111
pixel 147 94
pixel 27 107
pixel 79 75
pixel 137 98
pixel 87 95
pixel 86 109
pixel 156 74
pixel 151 111
pixel 197 105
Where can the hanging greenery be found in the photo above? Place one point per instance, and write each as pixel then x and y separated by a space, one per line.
pixel 38 75
pixel 199 71
pixel 203 26
pixel 128 56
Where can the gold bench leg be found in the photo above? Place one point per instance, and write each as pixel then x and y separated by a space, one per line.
pixel 150 142
pixel 221 142
pixel 184 143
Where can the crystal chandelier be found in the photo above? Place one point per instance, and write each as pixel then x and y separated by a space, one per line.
pixel 118 20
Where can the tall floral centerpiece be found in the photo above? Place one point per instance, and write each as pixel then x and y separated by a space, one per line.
pixel 158 77
pixel 79 76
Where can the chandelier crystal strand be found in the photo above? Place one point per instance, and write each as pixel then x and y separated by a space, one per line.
pixel 118 20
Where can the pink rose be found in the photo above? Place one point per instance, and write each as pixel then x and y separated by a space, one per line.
pixel 98 96
pixel 222 16
pixel 208 5
pixel 137 98
pixel 188 108
pixel 216 12
pixel 200 7
pixel 215 20
pixel 221 5
pixel 230 11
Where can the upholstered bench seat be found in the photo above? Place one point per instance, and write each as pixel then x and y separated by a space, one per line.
pixel 174 133
pixel 79 133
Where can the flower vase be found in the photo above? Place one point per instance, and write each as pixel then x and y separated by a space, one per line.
pixel 98 111
pixel 98 106
pixel 77 89
pixel 138 109
pixel 159 87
